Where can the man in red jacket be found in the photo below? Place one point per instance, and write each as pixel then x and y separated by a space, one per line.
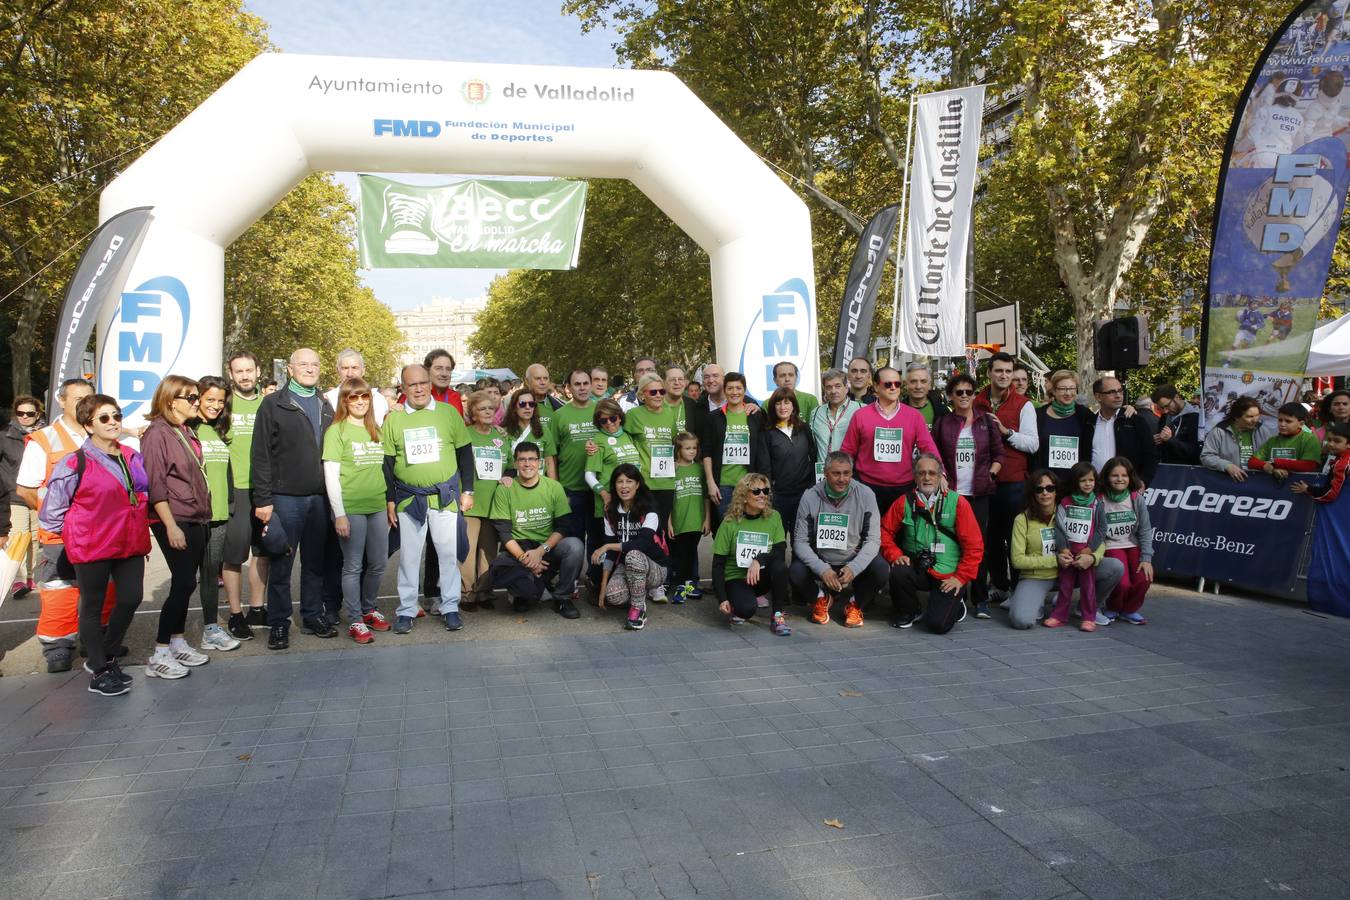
pixel 932 541
pixel 1017 422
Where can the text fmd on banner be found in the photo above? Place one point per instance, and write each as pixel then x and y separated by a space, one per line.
pixel 472 224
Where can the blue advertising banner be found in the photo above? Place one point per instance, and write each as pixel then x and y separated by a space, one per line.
pixel 1206 525
pixel 1281 195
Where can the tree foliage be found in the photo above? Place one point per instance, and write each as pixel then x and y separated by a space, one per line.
pixel 85 87
pixel 1104 202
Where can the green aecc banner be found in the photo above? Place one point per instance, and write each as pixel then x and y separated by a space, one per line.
pixel 474 224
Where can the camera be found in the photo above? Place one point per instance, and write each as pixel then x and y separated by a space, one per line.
pixel 925 559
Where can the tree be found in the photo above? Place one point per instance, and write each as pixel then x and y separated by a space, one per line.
pixel 85 86
pixel 641 287
pixel 290 282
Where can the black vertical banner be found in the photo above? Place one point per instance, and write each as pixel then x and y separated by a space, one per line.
pixel 860 294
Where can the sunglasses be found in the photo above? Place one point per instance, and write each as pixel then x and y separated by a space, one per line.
pixel 1044 489
pixel 963 392
pixel 358 395
pixel 605 420
pixel 889 384
pixel 525 404
pixel 109 417
pixel 26 413
pixel 656 392
pixel 759 492
pixel 190 398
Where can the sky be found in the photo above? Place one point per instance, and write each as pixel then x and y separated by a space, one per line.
pixel 503 31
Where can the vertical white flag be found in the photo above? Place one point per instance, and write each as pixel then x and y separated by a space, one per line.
pixel 942 183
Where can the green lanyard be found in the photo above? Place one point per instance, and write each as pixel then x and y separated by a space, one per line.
pixel 200 460
pixel 130 485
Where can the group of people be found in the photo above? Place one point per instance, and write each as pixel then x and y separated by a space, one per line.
pixel 970 496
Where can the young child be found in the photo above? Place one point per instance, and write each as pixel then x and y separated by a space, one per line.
pixel 1080 528
pixel 1328 579
pixel 690 519
pixel 1293 449
pixel 1129 538
pixel 1282 320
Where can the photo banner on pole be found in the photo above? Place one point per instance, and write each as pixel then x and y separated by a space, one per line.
pixel 860 292
pixel 942 175
pixel 1281 195
pixel 472 224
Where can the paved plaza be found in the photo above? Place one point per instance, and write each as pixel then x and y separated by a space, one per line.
pixel 1205 754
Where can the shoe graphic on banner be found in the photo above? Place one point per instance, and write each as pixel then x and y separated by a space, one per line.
pixel 412 233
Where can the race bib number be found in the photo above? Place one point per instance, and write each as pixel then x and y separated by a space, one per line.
pixel 832 531
pixel 736 449
pixel 487 463
pixel 965 453
pixel 1047 542
pixel 421 445
pixel 1079 524
pixel 888 444
pixel 1282 453
pixel 1120 525
pixel 1063 451
pixel 750 544
pixel 663 461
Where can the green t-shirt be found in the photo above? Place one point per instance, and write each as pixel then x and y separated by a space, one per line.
pixel 565 438
pixel 543 408
pixel 534 511
pixel 360 460
pixel 654 434
pixel 423 444
pixel 243 412
pixel 740 540
pixel 1246 448
pixel 612 450
pixel 681 422
pixel 807 404
pixel 736 445
pixel 491 456
pixel 1302 446
pixel 216 464
pixel 689 494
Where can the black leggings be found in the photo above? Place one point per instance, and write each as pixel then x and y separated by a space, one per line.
pixel 183 568
pixel 665 502
pixel 742 595
pixel 128 576
pixel 684 557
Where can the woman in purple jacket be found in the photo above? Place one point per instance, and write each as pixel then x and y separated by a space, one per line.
pixel 96 501
pixel 971 446
pixel 180 503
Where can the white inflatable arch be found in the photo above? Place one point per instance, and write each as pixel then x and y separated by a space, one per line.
pixel 284 116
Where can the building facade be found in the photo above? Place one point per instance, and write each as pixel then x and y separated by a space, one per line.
pixel 441 323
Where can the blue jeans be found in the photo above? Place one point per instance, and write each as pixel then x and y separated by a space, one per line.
pixel 305 521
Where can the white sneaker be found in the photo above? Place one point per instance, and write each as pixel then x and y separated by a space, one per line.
pixel 216 638
pixel 1102 619
pixel 162 665
pixel 187 656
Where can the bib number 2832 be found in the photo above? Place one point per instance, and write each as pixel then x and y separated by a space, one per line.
pixel 421 445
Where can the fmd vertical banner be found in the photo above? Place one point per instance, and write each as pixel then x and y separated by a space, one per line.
pixel 1281 194
pixel 942 185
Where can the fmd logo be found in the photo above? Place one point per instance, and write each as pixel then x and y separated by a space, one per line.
pixel 149 327
pixel 781 330
pixel 425 128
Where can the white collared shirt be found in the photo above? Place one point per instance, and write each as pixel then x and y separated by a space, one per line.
pixel 1104 441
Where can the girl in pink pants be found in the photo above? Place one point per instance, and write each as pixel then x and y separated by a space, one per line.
pixel 1080 528
pixel 1129 538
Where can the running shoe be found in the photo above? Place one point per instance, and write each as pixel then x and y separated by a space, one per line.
pixel 820 610
pixel 853 615
pixel 1134 618
pixel 279 638
pixel 779 626
pixel 982 611
pixel 904 620
pixel 188 656
pixel 238 627
pixel 360 632
pixel 257 617
pixel 162 664
pixel 215 638
pixel 108 684
pixel 453 622
pixel 695 591
pixel 681 594
pixel 737 620
pixel 1101 619
pixel 113 667
pixel 636 619
pixel 375 620
pixel 403 624
pixel 659 595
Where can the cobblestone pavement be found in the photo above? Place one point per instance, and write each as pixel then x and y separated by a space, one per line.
pixel 1205 754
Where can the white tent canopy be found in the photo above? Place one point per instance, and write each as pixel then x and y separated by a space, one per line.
pixel 1330 354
